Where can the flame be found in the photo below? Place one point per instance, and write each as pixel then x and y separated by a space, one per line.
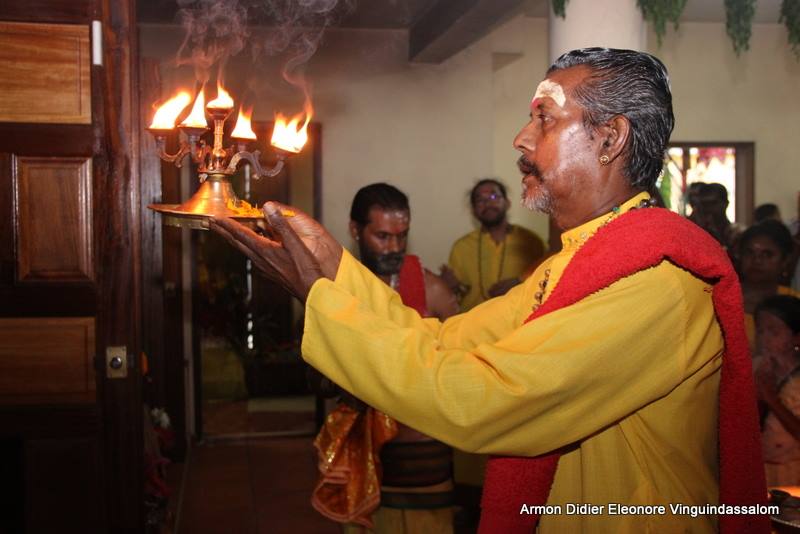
pixel 288 136
pixel 165 116
pixel 197 118
pixel 223 100
pixel 243 130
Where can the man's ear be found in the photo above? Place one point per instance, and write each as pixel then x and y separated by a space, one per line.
pixel 614 135
pixel 354 230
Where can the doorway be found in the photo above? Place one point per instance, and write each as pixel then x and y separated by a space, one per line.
pixel 728 164
pixel 250 378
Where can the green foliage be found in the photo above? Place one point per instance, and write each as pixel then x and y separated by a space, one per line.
pixel 738 19
pixel 739 22
pixel 560 8
pixel 665 186
pixel 659 12
pixel 790 16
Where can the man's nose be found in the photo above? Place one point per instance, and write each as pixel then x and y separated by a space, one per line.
pixel 523 141
pixel 394 245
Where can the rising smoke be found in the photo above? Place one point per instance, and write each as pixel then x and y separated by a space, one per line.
pixel 217 30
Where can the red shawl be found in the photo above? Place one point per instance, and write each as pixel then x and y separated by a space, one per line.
pixel 635 241
pixel 412 284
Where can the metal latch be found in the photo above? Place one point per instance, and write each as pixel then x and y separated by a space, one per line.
pixel 116 362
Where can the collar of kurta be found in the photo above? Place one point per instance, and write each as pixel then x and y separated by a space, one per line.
pixel 574 238
pixel 626 244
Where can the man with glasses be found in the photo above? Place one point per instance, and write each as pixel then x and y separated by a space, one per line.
pixel 489 261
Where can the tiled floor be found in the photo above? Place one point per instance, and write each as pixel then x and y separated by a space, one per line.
pixel 277 414
pixel 252 486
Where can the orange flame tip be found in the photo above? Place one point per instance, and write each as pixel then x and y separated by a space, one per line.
pixel 197 118
pixel 165 116
pixel 223 100
pixel 287 135
pixel 243 129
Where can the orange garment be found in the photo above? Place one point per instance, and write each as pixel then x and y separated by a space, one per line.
pixel 350 441
pixel 349 445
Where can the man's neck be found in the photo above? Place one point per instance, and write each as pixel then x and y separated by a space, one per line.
pixel 498 231
pixel 387 278
pixel 596 209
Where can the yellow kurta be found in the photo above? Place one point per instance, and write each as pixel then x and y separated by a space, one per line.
pixel 630 374
pixel 514 257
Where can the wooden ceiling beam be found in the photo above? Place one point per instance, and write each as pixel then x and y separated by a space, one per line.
pixel 449 26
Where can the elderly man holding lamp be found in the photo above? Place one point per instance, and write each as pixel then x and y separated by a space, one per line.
pixel 617 373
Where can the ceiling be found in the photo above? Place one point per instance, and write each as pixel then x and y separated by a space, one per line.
pixel 695 10
pixel 374 14
pixel 399 14
pixel 437 28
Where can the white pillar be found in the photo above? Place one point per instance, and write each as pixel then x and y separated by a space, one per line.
pixel 606 23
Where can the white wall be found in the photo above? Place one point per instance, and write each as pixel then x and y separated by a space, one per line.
pixel 717 96
pixel 432 130
pixel 428 129
pixel 520 55
pixel 754 97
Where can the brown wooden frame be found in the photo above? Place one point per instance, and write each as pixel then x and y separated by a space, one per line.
pixel 745 173
pixel 111 427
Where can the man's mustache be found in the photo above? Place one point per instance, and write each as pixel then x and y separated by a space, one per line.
pixel 392 258
pixel 526 167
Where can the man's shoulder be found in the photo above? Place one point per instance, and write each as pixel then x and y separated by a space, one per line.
pixel 664 285
pixel 432 279
pixel 467 239
pixel 522 233
pixel 660 247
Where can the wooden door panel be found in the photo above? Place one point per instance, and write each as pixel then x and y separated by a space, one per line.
pixel 69 269
pixel 53 214
pixel 58 11
pixel 63 503
pixel 72 299
pixel 47 360
pixel 45 73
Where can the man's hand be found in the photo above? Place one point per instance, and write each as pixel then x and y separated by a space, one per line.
pixel 449 276
pixel 325 249
pixel 502 287
pixel 300 253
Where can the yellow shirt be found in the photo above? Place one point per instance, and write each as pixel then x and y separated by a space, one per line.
pixel 512 258
pixel 630 374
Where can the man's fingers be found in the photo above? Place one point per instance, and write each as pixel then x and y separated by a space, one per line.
pixel 219 229
pixel 285 209
pixel 291 241
pixel 239 232
pixel 232 234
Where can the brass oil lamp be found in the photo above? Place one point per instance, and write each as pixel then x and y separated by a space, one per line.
pixel 216 162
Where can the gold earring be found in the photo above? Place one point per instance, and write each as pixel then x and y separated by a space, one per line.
pixel 604 160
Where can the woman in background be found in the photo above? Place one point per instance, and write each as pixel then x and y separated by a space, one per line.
pixel 777 374
pixel 764 252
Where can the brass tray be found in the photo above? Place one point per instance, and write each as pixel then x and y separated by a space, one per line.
pixel 175 216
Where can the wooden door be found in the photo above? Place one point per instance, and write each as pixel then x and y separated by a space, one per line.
pixel 70 435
